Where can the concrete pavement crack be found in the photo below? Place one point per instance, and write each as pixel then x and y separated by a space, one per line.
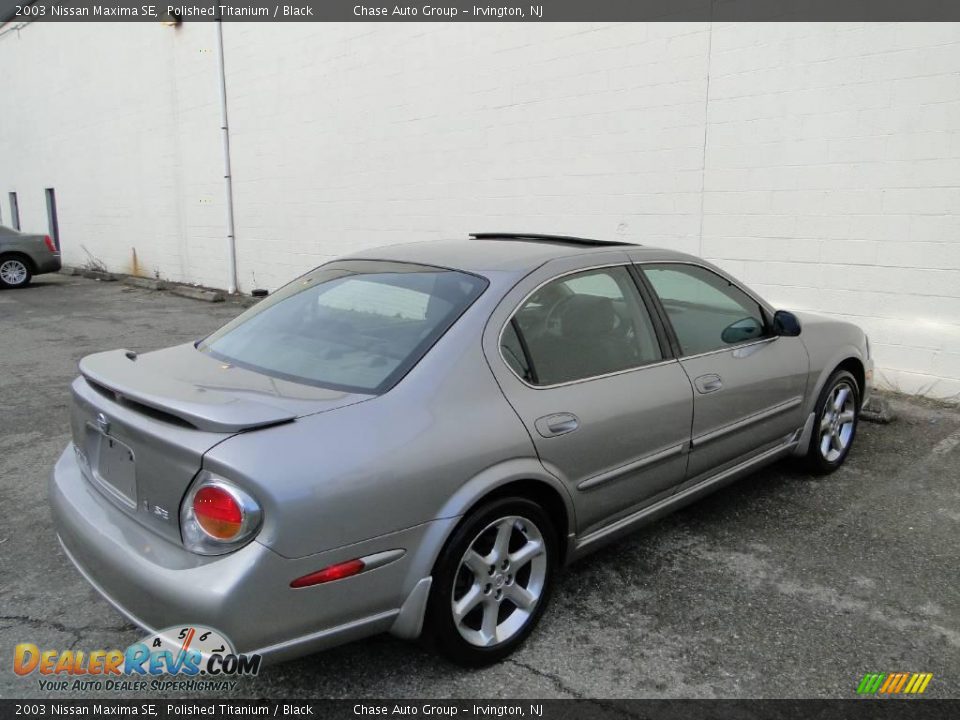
pixel 608 705
pixel 555 679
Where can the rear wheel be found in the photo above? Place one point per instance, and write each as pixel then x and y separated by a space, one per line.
pixel 492 582
pixel 835 423
pixel 14 272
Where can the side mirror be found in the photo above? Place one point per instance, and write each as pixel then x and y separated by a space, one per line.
pixel 785 323
pixel 746 329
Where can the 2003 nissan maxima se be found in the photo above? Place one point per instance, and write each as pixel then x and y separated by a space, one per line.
pixel 415 438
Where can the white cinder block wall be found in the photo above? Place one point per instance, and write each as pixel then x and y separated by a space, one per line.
pixel 123 121
pixel 832 181
pixel 820 163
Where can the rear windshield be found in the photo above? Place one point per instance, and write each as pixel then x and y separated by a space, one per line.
pixel 356 325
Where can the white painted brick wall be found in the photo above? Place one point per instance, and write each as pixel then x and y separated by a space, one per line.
pixel 360 135
pixel 833 181
pixel 820 163
pixel 123 121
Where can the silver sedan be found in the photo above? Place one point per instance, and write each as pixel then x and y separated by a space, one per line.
pixel 414 439
pixel 23 255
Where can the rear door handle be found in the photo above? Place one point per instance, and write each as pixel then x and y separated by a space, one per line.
pixel 557 424
pixel 708 383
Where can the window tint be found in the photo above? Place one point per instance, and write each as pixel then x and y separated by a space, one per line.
pixel 595 284
pixel 707 311
pixel 580 326
pixel 513 352
pixel 351 325
pixel 377 298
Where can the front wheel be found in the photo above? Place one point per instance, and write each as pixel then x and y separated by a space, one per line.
pixel 835 423
pixel 14 272
pixel 492 582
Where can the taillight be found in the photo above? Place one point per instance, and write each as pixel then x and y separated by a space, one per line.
pixel 218 513
pixel 217 516
pixel 48 241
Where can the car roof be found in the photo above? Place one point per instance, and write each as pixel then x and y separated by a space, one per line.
pixel 508 252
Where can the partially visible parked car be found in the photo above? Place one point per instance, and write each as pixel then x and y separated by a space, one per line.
pixel 23 255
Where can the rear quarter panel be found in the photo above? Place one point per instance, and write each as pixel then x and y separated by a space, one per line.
pixel 427 449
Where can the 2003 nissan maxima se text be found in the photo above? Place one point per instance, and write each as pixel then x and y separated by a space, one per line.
pixel 415 438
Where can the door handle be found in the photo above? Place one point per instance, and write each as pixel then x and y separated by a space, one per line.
pixel 708 383
pixel 557 424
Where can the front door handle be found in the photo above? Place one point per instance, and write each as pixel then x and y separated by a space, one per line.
pixel 557 424
pixel 708 383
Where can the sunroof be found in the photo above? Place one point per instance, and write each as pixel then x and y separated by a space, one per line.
pixel 537 237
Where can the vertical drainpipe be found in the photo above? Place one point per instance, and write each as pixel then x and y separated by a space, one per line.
pixel 227 178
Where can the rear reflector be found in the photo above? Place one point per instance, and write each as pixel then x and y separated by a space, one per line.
pixel 48 241
pixel 328 574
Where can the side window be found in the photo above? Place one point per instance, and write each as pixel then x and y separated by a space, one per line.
pixel 512 350
pixel 578 327
pixel 706 310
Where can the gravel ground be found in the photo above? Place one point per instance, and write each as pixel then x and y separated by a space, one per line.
pixel 782 585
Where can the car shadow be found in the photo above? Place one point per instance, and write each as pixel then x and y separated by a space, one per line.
pixel 31 285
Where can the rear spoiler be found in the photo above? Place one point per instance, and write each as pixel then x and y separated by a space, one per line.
pixel 203 408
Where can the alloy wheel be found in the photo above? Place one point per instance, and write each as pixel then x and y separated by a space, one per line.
pixel 499 582
pixel 836 423
pixel 13 272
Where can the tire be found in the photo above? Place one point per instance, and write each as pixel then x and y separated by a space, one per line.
pixel 834 429
pixel 470 573
pixel 14 272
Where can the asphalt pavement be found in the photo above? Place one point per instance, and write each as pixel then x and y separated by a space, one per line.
pixel 781 585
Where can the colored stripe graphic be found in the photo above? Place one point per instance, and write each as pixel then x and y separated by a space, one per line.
pixel 890 682
pixel 894 683
pixel 870 683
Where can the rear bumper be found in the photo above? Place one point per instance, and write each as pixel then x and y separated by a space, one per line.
pixel 48 264
pixel 245 594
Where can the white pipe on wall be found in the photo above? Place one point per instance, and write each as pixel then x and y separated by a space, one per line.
pixel 227 178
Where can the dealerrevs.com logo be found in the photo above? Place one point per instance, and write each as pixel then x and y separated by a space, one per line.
pixel 190 657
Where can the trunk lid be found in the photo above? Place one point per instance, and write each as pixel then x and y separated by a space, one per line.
pixel 141 424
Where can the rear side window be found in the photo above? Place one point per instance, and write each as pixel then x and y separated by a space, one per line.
pixel 578 327
pixel 355 325
pixel 514 353
pixel 706 310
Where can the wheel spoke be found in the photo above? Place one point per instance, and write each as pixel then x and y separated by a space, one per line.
pixel 488 630
pixel 501 546
pixel 825 442
pixel 525 554
pixel 476 563
pixel 846 417
pixel 468 602
pixel 520 596
pixel 835 440
pixel 841 398
pixel 825 422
